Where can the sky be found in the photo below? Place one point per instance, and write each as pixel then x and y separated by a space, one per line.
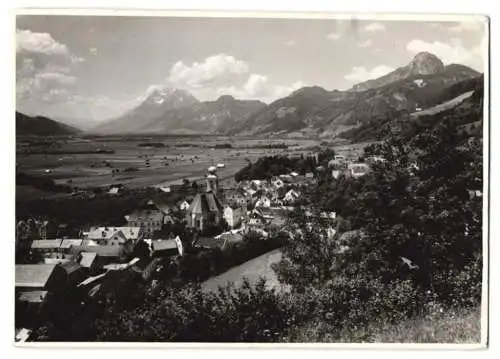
pixel 98 67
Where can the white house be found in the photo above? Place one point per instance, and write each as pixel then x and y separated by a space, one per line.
pixel 233 216
pixel 263 201
pixel 184 206
pixel 358 169
pixel 114 235
pixel 278 183
pixel 336 174
pixel 291 196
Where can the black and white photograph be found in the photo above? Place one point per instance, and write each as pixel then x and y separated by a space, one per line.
pixel 251 178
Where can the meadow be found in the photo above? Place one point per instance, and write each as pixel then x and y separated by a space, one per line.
pixel 139 161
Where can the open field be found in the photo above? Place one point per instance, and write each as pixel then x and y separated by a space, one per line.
pixel 252 270
pixel 102 161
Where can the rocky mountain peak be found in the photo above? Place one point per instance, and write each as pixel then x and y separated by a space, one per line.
pixel 425 63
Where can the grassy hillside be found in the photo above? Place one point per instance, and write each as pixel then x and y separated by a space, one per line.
pixel 41 126
pixel 454 327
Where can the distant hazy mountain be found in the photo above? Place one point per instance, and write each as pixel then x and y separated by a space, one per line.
pixel 156 104
pixel 316 111
pixel 77 122
pixel 41 126
pixel 203 117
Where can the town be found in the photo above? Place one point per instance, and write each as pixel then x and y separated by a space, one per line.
pixel 58 259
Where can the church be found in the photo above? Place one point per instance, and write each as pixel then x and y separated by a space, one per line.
pixel 206 208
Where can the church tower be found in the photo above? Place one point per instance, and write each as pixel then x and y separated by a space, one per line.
pixel 212 180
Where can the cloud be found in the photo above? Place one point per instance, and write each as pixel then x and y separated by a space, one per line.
pixel 374 27
pixel 43 70
pixel 259 87
pixel 290 43
pixel 366 43
pixel 466 26
pixel 216 69
pixel 360 73
pixel 334 36
pixel 223 74
pixel 453 52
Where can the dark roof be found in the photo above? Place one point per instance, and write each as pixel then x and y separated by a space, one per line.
pixel 146 214
pixel 208 242
pixel 70 267
pixel 229 238
pixel 205 202
pixel 33 275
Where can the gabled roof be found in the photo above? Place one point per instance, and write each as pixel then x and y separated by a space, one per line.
pixel 108 232
pixel 33 275
pixel 87 259
pixel 46 244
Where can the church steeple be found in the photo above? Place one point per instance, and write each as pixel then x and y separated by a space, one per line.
pixel 212 180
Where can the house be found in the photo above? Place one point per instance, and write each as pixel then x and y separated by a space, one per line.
pixel 46 246
pixel 58 258
pixel 358 169
pixel 294 174
pixel 67 243
pixel 228 239
pixel 114 235
pixel 328 215
pixel 149 219
pixel 40 277
pixel 263 201
pixel 291 196
pixel 309 176
pixel 105 253
pixel 336 173
pixel 278 183
pixel 184 205
pixel 206 210
pixel 233 215
pixel 75 273
pixel 114 191
pixel 167 247
pixel 89 260
pixel 166 189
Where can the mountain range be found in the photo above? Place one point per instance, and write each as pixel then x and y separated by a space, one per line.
pixel 309 111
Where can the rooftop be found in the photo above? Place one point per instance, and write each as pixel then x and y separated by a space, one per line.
pixel 66 243
pixel 87 259
pixel 205 202
pixel 35 296
pixel 33 275
pixel 163 244
pixel 46 244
